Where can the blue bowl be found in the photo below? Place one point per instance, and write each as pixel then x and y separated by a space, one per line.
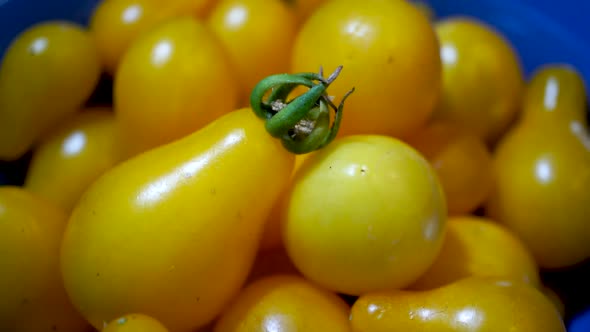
pixel 542 31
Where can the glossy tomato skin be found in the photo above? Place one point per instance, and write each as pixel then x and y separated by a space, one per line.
pixel 482 78
pixel 359 211
pixel 46 75
pixel 476 246
pixel 284 303
pixel 390 54
pixel 471 304
pixel 115 24
pixel 542 170
pixel 72 156
pixel 135 323
pixel 33 297
pixel 258 37
pixel 172 81
pixel 462 162
pixel 173 233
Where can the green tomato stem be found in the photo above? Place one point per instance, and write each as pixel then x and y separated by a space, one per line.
pixel 302 124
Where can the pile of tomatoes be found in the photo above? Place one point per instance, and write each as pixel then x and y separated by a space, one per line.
pixel 273 165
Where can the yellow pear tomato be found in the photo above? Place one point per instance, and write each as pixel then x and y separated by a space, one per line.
pixel 33 296
pixel 172 81
pixel 470 304
pixel 47 73
pixel 75 154
pixel 475 246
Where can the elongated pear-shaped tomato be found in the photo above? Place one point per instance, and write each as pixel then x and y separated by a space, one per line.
pixel 173 233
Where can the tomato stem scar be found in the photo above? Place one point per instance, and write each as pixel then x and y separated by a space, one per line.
pixel 303 123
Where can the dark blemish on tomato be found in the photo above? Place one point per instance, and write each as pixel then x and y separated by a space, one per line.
pixel 198 298
pixel 25 301
pixel 53 327
pixel 98 274
pixel 390 59
pixel 93 212
pixel 330 167
pixel 239 215
pixel 363 169
pixel 22 230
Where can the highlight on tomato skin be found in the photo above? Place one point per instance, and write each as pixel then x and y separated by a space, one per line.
pixel 116 24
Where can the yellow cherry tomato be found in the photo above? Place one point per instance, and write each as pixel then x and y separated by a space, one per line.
pixel 74 155
pixel 272 237
pixel 172 81
pixel 286 304
pixel 482 77
pixel 135 323
pixel 475 246
pixel 115 24
pixel 365 213
pixel 542 170
pixel 46 74
pixel 462 162
pixel 173 232
pixel 258 36
pixel 33 297
pixel 471 304
pixel 390 54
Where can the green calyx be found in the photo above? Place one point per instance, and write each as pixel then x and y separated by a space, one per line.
pixel 303 123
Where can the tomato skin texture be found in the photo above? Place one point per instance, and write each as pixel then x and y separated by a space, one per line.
pixel 471 304
pixel 172 81
pixel 362 207
pixel 176 205
pixel 482 78
pixel 135 323
pixel 462 161
pixel 75 154
pixel 115 24
pixel 62 59
pixel 475 246
pixel 254 32
pixel 390 55
pixel 284 304
pixel 542 170
pixel 33 298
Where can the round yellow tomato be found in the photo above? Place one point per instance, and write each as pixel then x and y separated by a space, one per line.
pixel 171 82
pixel 258 36
pixel 287 304
pixel 462 162
pixel 33 297
pixel 46 75
pixel 542 170
pixel 476 246
pixel 115 24
pixel 75 154
pixel 390 55
pixel 135 323
pixel 365 213
pixel 482 77
pixel 470 304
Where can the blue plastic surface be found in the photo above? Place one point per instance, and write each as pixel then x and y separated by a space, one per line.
pixel 542 31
